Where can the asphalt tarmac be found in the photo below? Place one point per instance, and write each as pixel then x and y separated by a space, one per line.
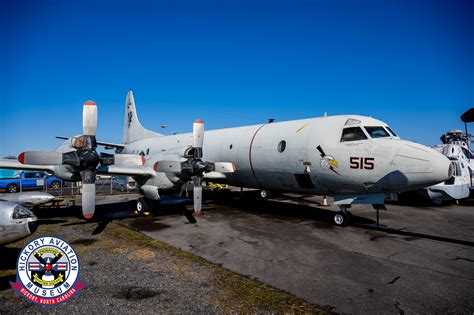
pixel 422 262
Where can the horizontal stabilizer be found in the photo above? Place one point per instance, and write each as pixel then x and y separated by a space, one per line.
pixel 105 144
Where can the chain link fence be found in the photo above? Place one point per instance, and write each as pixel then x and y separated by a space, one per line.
pixel 104 185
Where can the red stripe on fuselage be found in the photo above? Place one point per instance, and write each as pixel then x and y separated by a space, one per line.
pixel 250 154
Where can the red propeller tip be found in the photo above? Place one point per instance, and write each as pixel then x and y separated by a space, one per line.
pixel 143 160
pixel 88 216
pixel 155 167
pixel 90 103
pixel 234 167
pixel 21 158
pixel 198 121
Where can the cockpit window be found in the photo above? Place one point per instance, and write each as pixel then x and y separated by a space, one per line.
pixel 377 132
pixel 353 134
pixel 468 153
pixel 391 131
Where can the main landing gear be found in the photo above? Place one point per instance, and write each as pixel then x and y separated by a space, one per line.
pixel 144 206
pixel 342 218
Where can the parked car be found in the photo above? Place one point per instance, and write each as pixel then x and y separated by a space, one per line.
pixel 29 180
pixel 123 183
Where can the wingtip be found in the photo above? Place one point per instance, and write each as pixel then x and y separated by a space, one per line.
pixel 21 158
pixel 88 216
pixel 198 121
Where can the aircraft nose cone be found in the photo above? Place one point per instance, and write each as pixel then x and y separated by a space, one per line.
pixel 41 197
pixel 417 166
pixel 442 167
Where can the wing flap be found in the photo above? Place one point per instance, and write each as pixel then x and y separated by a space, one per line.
pixel 102 143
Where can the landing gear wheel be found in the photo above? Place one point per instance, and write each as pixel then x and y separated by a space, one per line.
pixel 341 219
pixel 142 206
pixel 265 194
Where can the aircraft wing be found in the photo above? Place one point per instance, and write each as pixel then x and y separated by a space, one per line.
pixel 15 165
pixel 105 144
pixel 214 175
pixel 137 170
pixel 106 170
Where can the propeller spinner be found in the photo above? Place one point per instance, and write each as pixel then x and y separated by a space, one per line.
pixel 194 168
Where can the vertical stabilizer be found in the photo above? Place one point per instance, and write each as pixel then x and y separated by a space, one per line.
pixel 132 129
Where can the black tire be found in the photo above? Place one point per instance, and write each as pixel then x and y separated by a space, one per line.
pixel 142 205
pixel 265 194
pixel 12 188
pixel 55 185
pixel 341 219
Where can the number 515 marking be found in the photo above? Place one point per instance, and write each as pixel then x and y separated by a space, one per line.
pixel 362 163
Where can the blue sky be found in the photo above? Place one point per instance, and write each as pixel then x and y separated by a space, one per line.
pixel 230 63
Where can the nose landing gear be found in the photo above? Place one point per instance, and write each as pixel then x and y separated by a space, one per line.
pixel 342 218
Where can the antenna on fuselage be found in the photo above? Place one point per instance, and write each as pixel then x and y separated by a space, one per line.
pixel 270 120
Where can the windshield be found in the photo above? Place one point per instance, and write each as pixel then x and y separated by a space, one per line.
pixel 377 132
pixel 353 134
pixel 468 153
pixel 391 131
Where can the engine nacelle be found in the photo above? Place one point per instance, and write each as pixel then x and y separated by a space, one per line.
pixel 65 172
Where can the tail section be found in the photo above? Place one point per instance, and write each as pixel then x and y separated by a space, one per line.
pixel 132 129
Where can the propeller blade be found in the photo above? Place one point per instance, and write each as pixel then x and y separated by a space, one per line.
pixel 198 138
pixel 88 193
pixel 41 158
pixel 197 194
pixel 168 166
pixel 224 167
pixel 89 118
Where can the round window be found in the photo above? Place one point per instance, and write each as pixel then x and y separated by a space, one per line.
pixel 281 146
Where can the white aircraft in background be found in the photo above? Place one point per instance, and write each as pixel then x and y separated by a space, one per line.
pixel 356 159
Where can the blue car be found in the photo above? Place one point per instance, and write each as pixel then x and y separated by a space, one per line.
pixel 29 180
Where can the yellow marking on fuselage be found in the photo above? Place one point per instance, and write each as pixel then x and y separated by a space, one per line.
pixel 301 128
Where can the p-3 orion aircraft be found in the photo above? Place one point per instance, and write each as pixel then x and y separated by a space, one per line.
pixel 356 159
